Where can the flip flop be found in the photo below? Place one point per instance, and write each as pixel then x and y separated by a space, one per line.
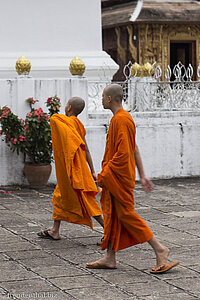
pixel 99 243
pixel 96 265
pixel 164 268
pixel 45 235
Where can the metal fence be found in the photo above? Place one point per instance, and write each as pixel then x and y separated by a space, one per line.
pixel 148 92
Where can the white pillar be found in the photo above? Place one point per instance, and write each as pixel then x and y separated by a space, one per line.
pixel 79 88
pixel 50 34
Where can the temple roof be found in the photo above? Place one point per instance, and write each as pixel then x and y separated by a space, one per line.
pixel 118 12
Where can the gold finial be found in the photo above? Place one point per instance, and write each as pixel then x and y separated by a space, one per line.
pixel 23 66
pixel 77 66
pixel 142 71
pixel 147 69
pixel 136 67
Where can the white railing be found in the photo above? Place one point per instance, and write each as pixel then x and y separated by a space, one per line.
pixel 95 90
pixel 149 93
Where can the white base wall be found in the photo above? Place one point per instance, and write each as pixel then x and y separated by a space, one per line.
pixel 169 142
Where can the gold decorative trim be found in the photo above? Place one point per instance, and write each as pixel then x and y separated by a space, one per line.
pixel 159 52
pixel 121 51
pixel 146 43
pixel 154 42
pixel 132 48
pixel 182 33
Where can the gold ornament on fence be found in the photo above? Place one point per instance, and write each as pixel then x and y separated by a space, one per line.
pixel 142 71
pixel 77 66
pixel 148 70
pixel 23 66
pixel 136 70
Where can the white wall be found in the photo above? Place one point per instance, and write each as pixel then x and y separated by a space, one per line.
pixel 169 141
pixel 50 33
pixel 40 26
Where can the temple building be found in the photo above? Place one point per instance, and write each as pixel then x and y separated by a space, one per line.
pixel 144 31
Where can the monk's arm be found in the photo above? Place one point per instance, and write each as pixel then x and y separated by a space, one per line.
pixel 89 160
pixel 147 185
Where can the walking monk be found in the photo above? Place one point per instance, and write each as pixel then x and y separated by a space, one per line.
pixel 74 198
pixel 122 226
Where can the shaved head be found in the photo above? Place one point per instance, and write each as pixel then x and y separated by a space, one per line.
pixel 115 91
pixel 77 104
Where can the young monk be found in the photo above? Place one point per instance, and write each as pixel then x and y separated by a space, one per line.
pixel 122 226
pixel 74 198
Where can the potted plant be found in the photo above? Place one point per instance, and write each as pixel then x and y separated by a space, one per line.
pixel 32 137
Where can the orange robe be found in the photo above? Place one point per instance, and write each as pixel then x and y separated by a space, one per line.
pixel 74 198
pixel 122 226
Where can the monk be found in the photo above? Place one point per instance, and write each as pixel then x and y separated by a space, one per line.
pixel 74 198
pixel 122 226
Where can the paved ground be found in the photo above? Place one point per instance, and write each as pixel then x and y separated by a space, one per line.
pixel 32 268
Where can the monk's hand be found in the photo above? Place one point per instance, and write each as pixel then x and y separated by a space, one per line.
pixel 99 190
pixel 99 181
pixel 146 184
pixel 94 176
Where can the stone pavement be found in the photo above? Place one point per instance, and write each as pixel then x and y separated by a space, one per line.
pixel 34 268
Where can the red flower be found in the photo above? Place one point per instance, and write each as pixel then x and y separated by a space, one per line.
pixel 13 141
pixel 6 109
pixel 31 100
pixel 22 138
pixel 4 115
pixel 35 113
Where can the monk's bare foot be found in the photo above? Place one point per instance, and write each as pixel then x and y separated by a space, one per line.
pixel 102 263
pixel 161 256
pixel 49 234
pixel 54 234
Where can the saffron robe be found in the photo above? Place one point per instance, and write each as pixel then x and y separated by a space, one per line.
pixel 122 226
pixel 74 198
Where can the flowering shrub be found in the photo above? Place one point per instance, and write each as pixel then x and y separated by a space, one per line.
pixel 31 136
pixel 53 104
pixel 31 101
